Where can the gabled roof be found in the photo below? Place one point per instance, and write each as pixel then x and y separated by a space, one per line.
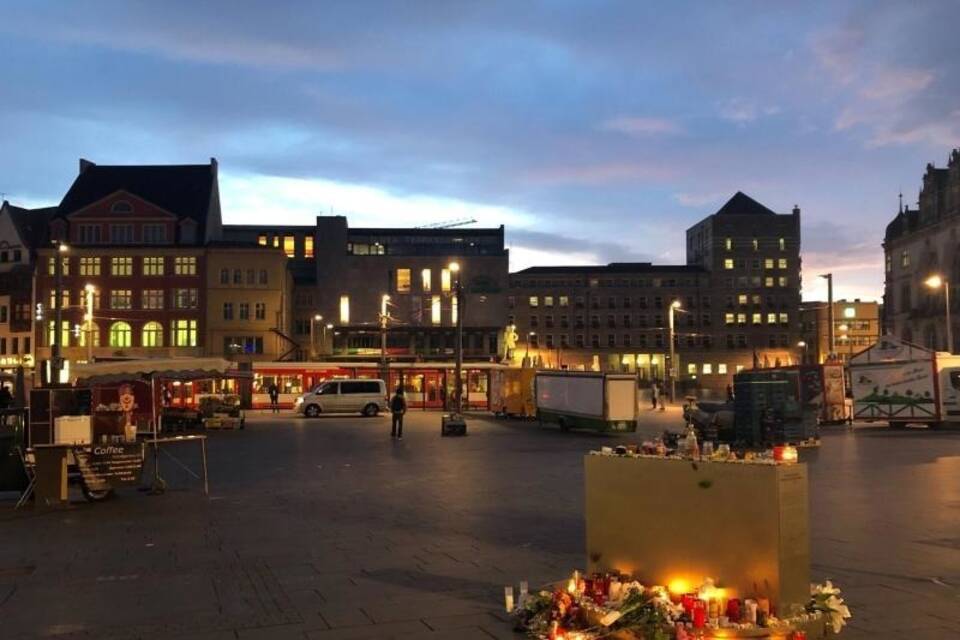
pixel 184 190
pixel 742 204
pixel 31 224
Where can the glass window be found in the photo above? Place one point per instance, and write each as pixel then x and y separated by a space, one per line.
pixel 426 280
pixel 260 309
pixel 771 318
pixel 728 263
pixel 262 239
pixel 290 246
pixel 344 309
pixel 64 299
pixel 905 258
pixel 89 234
pixel 152 334
pixel 435 310
pixel 64 333
pixel 121 299
pixel 184 333
pixel 564 301
pixel 768 281
pixel 308 246
pixel 276 242
pixel 93 331
pixel 251 276
pixel 782 281
pixel 454 309
pixel 121 266
pixel 782 263
pixel 756 244
pixel 445 280
pixel 152 299
pixel 757 318
pixel 548 301
pixel 154 234
pixel 89 266
pixel 534 301
pixel 768 263
pixel 403 281
pixel 185 265
pixel 783 244
pixel 728 318
pixel 722 368
pixel 120 334
pixel 742 298
pixel 228 311
pixel 728 243
pixel 692 368
pixel 244 310
pixel 121 234
pixel 224 276
pixel 238 276
pixel 153 266
pixel 784 318
pixel 741 318
pixel 707 368
pixel 186 298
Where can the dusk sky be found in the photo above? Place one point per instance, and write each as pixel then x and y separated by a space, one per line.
pixel 594 131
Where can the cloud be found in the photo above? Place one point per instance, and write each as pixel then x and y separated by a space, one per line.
pixel 742 110
pixel 643 126
pixel 697 200
pixel 889 83
pixel 600 174
pixel 561 247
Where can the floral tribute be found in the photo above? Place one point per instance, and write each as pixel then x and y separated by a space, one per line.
pixel 614 607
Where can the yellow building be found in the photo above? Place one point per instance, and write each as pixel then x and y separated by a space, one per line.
pixel 248 302
pixel 856 326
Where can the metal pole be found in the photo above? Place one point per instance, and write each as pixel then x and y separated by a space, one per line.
pixel 383 337
pixel 459 371
pixel 673 378
pixel 55 346
pixel 313 342
pixel 946 293
pixel 830 320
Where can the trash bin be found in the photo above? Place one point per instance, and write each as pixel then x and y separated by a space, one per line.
pixel 453 424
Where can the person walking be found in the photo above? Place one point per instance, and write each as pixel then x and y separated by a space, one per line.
pixel 274 398
pixel 729 393
pixel 6 401
pixel 398 407
pixel 654 394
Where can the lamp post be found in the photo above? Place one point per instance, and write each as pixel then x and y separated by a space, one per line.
pixel 935 282
pixel 56 357
pixel 674 306
pixel 458 293
pixel 830 338
pixel 88 292
pixel 530 336
pixel 803 345
pixel 313 342
pixel 384 300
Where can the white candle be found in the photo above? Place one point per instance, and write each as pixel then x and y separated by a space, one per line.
pixel 524 590
pixel 508 598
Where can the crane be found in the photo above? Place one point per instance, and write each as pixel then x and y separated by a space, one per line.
pixel 449 224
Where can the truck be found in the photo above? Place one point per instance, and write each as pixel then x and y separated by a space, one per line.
pixel 901 383
pixel 511 392
pixel 587 400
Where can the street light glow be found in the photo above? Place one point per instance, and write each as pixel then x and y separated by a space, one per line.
pixel 317 318
pixel 801 344
pixel 63 248
pixel 454 266
pixel 675 304
pixel 934 281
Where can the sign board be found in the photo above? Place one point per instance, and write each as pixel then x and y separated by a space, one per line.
pixel 114 464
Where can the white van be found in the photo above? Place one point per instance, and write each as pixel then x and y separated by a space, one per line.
pixel 365 396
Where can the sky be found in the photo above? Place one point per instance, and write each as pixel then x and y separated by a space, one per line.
pixel 594 131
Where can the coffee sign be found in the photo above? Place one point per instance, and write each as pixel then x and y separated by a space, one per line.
pixel 116 464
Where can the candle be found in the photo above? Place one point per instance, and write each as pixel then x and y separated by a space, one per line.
pixel 713 608
pixel 799 635
pixel 790 454
pixel 763 604
pixel 572 586
pixel 508 598
pixel 778 453
pixel 613 592
pixel 750 611
pixel 687 600
pixel 733 610
pixel 699 614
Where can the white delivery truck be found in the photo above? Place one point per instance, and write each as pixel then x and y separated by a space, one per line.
pixel 577 399
pixel 900 383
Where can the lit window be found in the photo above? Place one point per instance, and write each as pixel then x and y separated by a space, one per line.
pixel 185 265
pixel 888 263
pixel 782 263
pixel 564 301
pixel 742 298
pixel 89 266
pixel 153 266
pixel 728 263
pixel 728 318
pixel 93 331
pixel 444 280
pixel 121 299
pixel 756 244
pixel 120 334
pixel 849 312
pixel 782 281
pixel 344 309
pixel 403 280
pixel 741 318
pixel 707 368
pixel 262 240
pixel 152 335
pixel 308 246
pixel 722 368
pixel 548 301
pixel 728 243
pixel 783 244
pixel 186 298
pixel 426 280
pixel 454 309
pixel 771 318
pixel 784 318
pixel 768 281
pixel 739 368
pixel 757 318
pixel 276 242
pixel 435 310
pixel 534 301
pixel 692 368
pixel 64 332
pixel 64 299
pixel 121 266
pixel 290 246
pixel 184 333
pixel 768 263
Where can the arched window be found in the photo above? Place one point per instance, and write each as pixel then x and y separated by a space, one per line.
pixel 120 334
pixel 93 332
pixel 121 206
pixel 152 335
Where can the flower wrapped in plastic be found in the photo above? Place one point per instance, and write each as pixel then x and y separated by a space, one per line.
pixel 826 598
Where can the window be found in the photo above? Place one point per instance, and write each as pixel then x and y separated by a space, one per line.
pixel 435 309
pixel 595 341
pixel 121 206
pixel 756 244
pixel 154 234
pixel 344 309
pixel 152 299
pixel 692 368
pixel 728 263
pixel 783 281
pixel 707 368
pixel 426 280
pixel 244 310
pixel 771 318
pixel 782 263
pixel 741 319
pixel 445 280
pixel 905 258
pixel 64 299
pixel 722 367
pixel 742 298
pixel 64 266
pixel 768 281
pixel 3 314
pixel 308 246
pixel 276 242
pixel 186 298
pixel 260 311
pixel 290 246
pixel 611 340
pixel 152 335
pixel 548 301
pixel 564 301
pixel 768 263
pixel 228 311
pixel 549 341
pixel 121 234
pixel 251 276
pixel 728 244
pixel 784 318
pixel 263 276
pixel 121 266
pixel 153 266
pixel 728 319
pixel 89 234
pixel 89 266
pixel 783 247
pixel 224 276
pixel 121 299
pixel 63 338
pixel 403 281
pixel 120 334
pixel 238 276
pixel 578 340
pixel 262 239
pixel 757 318
pixel 184 333
pixel 185 266
pixel 534 301
pixel 564 341
pixel 849 312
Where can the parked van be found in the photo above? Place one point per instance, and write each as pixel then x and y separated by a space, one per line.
pixel 365 396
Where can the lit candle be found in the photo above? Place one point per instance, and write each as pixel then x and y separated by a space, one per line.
pixel 790 454
pixel 763 604
pixel 699 614
pixel 508 598
pixel 750 611
pixel 778 454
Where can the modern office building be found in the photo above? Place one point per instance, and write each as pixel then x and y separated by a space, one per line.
pixel 856 326
pixel 920 243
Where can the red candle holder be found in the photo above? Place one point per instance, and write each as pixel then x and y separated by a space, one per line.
pixel 699 614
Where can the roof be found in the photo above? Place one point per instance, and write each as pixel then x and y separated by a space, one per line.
pixel 162 368
pixel 31 224
pixel 456 232
pixel 184 190
pixel 613 267
pixel 742 204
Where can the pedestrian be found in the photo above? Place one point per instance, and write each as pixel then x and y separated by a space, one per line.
pixel 167 396
pixel 6 401
pixel 274 398
pixel 398 407
pixel 729 393
pixel 654 394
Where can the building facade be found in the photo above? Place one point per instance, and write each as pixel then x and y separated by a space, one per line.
pixel 918 244
pixel 856 326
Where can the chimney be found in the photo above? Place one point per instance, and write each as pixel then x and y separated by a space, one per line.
pixel 214 166
pixel 796 210
pixel 85 164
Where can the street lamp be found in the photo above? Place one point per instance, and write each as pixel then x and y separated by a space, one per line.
pixel 935 282
pixel 530 336
pixel 803 345
pixel 55 346
pixel 458 292
pixel 830 338
pixel 674 307
pixel 313 342
pixel 89 291
pixel 384 300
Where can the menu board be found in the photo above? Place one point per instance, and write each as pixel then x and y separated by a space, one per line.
pixel 115 464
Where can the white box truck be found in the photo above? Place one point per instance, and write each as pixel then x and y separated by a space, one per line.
pixel 586 400
pixel 900 383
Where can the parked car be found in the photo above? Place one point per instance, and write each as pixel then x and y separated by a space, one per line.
pixel 365 396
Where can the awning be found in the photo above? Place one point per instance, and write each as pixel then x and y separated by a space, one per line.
pixel 159 368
